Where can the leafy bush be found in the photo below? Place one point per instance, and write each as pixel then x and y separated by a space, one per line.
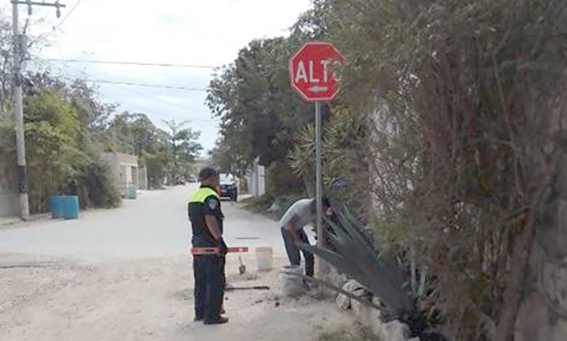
pixel 464 101
pixel 62 157
pixel 343 156
pixel 258 204
pixel 280 180
pixel 98 181
pixel 156 169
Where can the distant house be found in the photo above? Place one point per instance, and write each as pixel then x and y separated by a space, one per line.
pixel 126 172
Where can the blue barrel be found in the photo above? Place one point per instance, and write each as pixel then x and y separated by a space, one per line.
pixel 56 206
pixel 70 207
pixel 132 192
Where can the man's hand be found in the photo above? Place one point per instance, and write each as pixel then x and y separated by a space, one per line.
pixel 222 245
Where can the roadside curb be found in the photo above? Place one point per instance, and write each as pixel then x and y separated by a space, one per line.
pixel 6 222
pixel 9 221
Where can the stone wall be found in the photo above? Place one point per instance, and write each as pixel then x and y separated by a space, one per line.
pixel 9 200
pixel 543 314
pixel 369 315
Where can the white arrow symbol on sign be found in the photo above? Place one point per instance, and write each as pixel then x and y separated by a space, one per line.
pixel 318 88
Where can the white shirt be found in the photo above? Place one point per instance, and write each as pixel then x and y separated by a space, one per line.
pixel 303 210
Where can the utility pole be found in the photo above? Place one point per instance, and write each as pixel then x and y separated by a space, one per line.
pixel 19 46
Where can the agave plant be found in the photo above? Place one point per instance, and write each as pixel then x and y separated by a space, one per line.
pixel 352 252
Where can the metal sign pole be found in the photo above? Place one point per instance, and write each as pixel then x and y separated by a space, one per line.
pixel 309 70
pixel 319 180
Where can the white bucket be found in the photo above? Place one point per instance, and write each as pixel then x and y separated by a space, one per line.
pixel 291 280
pixel 264 258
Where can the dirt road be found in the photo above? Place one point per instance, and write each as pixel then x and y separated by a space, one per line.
pixel 146 299
pixel 125 274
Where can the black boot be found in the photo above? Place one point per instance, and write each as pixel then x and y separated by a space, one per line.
pixel 218 320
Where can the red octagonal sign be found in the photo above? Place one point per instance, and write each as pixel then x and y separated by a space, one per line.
pixel 314 71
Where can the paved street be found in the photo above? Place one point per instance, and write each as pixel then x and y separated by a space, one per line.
pixel 154 225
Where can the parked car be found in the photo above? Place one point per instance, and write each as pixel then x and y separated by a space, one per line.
pixel 192 179
pixel 229 187
pixel 180 181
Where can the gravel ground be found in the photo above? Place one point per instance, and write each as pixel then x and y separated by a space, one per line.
pixel 147 299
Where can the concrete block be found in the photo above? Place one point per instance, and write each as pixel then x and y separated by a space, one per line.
pixel 362 312
pixel 559 332
pixel 352 286
pixel 394 331
pixel 343 302
pixel 376 324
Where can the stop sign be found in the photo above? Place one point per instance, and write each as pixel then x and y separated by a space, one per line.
pixel 313 71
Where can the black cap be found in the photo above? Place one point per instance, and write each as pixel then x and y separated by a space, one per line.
pixel 325 201
pixel 207 172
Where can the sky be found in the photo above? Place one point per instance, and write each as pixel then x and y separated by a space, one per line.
pixel 190 32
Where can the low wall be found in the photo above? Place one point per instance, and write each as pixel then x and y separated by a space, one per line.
pixel 9 199
pixel 9 204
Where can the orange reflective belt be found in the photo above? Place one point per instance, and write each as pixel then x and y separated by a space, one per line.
pixel 213 250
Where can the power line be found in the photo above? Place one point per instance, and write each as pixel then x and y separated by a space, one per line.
pixel 163 114
pixel 145 110
pixel 58 26
pixel 144 95
pixel 159 86
pixel 195 66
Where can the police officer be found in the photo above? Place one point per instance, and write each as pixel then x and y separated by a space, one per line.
pixel 207 224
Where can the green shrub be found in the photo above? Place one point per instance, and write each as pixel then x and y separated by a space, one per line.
pixel 280 180
pixel 98 181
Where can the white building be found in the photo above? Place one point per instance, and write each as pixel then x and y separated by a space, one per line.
pixel 126 172
pixel 257 179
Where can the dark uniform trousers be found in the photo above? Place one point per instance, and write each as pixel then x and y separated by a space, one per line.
pixel 210 284
pixel 208 270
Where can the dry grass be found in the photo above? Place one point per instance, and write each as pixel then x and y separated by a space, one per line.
pixel 355 334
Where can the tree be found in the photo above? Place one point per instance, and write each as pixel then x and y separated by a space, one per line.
pixel 6 60
pixel 458 137
pixel 184 149
pixel 131 133
pixel 62 156
pixel 259 112
pixel 166 154
pixel 464 145
pixel 92 113
pixel 343 160
pixel 224 158
pixel 5 65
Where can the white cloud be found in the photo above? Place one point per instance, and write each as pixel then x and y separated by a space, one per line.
pixel 166 31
